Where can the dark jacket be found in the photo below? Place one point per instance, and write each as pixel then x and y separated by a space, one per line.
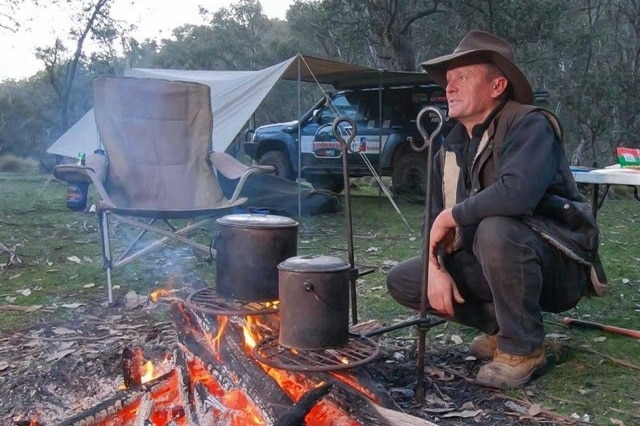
pixel 519 170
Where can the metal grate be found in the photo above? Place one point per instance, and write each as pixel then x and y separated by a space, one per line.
pixel 358 351
pixel 207 301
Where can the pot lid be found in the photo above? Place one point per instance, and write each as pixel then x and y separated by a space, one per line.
pixel 249 220
pixel 313 264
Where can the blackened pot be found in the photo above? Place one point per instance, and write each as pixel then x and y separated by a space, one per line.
pixel 249 248
pixel 314 302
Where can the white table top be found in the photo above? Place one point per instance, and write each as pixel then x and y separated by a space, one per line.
pixel 607 176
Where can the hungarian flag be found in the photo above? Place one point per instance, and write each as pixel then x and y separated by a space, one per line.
pixel 628 156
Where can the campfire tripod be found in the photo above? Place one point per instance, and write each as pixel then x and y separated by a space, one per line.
pixel 422 323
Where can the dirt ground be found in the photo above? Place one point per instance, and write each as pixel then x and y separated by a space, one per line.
pixel 72 362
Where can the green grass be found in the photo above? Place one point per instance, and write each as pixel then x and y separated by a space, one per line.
pixel 590 377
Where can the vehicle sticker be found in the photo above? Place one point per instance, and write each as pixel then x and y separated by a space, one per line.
pixel 324 144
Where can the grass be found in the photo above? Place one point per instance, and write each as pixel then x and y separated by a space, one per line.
pixel 61 259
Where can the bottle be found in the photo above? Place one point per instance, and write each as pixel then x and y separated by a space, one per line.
pixel 77 191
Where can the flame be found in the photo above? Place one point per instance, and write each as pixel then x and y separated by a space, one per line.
pixel 167 405
pixel 250 339
pixel 214 341
pixel 161 293
pixel 234 405
pixel 293 384
pixel 147 373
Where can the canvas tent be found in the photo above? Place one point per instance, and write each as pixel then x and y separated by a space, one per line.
pixel 235 95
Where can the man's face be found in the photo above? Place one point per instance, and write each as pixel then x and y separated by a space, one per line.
pixel 473 91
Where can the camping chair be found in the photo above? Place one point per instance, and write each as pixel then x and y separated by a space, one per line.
pixel 156 135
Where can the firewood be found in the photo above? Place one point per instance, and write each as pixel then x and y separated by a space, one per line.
pixel 397 418
pixel 232 365
pixel 132 362
pixel 295 416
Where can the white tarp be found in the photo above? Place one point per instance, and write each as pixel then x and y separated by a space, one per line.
pixel 235 95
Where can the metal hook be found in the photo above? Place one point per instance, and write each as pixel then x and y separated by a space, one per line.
pixel 336 132
pixel 427 138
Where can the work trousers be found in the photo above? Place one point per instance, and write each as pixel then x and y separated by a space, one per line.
pixel 512 276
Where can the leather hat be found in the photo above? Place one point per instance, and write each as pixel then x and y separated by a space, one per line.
pixel 481 47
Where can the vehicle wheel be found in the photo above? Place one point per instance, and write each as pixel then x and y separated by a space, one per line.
pixel 333 183
pixel 409 176
pixel 279 160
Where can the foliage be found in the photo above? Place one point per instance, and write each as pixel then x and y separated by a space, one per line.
pixel 12 164
pixel 26 117
pixel 62 66
pixel 583 53
pixel 7 20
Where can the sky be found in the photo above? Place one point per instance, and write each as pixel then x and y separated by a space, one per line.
pixel 154 19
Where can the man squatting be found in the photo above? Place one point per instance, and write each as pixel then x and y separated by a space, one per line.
pixel 511 235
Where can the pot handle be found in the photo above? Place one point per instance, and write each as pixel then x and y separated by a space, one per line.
pixel 309 287
pixel 213 246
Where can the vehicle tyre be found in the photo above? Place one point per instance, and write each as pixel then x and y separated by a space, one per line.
pixel 333 183
pixel 409 176
pixel 280 161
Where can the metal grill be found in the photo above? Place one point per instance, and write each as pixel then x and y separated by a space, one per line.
pixel 207 301
pixel 358 351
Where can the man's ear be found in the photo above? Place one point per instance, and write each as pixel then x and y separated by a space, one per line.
pixel 499 86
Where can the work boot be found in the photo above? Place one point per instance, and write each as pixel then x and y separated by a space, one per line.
pixel 508 371
pixel 484 346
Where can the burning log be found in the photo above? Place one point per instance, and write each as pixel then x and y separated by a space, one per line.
pixel 229 365
pixel 159 402
pixel 296 415
pixel 322 398
pixel 216 379
pixel 132 367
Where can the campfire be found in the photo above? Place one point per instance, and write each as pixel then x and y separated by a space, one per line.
pixel 268 344
pixel 215 378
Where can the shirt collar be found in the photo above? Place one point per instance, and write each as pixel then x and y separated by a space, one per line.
pixel 479 129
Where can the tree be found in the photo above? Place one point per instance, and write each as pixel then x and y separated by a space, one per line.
pixel 378 33
pixel 234 39
pixel 7 20
pixel 93 22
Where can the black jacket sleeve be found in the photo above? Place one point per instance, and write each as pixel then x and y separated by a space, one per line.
pixel 527 166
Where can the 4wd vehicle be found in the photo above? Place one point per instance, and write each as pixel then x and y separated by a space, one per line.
pixel 384 121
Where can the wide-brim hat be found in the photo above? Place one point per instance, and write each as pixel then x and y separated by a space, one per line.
pixel 482 47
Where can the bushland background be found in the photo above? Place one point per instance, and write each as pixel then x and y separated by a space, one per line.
pixel 584 53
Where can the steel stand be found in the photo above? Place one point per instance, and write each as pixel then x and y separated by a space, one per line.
pixel 345 146
pixel 428 143
pixel 422 323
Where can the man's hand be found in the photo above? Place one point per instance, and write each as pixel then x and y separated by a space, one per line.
pixel 442 232
pixel 442 290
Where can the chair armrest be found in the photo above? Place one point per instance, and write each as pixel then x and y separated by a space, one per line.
pixel 94 172
pixel 231 168
pixel 248 172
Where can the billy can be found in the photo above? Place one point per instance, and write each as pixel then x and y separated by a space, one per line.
pixel 314 302
pixel 249 248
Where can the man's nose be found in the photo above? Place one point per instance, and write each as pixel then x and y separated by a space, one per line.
pixel 450 87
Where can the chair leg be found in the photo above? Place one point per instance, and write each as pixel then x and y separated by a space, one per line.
pixel 107 262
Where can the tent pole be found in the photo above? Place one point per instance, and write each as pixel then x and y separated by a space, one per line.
pixel 299 144
pixel 380 144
